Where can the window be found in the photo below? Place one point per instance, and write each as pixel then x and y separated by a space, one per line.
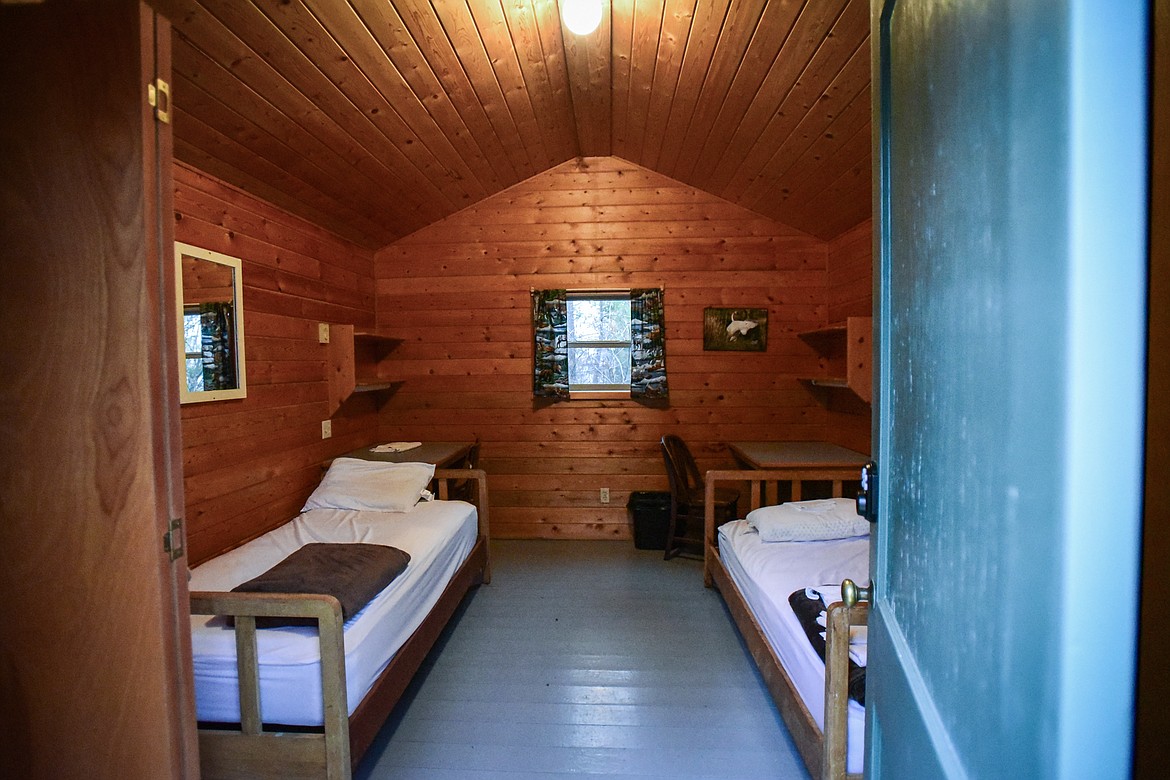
pixel 193 347
pixel 599 342
pixel 609 342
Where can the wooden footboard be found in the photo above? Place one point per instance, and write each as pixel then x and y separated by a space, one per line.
pixel 824 753
pixel 251 751
pixel 248 750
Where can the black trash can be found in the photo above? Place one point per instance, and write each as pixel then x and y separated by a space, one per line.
pixel 650 515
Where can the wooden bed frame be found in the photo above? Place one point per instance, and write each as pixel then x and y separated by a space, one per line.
pixel 332 751
pixel 824 753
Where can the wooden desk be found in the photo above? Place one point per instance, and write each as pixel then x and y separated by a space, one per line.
pixel 795 455
pixel 810 460
pixel 444 454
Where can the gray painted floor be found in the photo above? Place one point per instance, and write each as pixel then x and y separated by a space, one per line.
pixel 586 658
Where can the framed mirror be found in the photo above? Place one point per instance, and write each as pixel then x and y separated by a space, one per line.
pixel 209 294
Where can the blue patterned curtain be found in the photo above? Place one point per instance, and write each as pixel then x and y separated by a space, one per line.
pixel 550 347
pixel 219 359
pixel 648 337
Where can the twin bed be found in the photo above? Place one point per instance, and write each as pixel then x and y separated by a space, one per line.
pixel 756 579
pixel 307 700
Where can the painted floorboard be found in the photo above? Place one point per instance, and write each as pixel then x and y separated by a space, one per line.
pixel 580 659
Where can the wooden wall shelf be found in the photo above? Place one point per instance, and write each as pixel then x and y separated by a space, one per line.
pixel 352 365
pixel 847 352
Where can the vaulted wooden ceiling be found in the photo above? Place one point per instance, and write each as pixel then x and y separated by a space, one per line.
pixel 374 118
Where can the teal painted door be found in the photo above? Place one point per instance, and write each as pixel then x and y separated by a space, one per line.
pixel 1010 142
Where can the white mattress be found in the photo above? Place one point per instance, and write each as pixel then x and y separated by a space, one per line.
pixel 439 535
pixel 767 573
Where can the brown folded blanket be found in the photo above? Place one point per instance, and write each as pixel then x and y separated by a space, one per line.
pixel 353 573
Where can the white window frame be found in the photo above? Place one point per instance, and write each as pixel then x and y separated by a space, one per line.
pixel 599 391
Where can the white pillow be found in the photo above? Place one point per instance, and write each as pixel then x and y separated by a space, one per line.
pixel 809 521
pixel 371 485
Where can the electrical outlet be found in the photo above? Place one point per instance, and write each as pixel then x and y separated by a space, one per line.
pixel 326 429
pixel 605 495
pixel 323 332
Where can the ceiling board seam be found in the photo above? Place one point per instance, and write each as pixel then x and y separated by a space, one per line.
pixel 264 62
pixel 648 138
pixel 278 174
pixel 495 78
pixel 669 166
pixel 706 172
pixel 848 170
pixel 721 46
pixel 452 137
pixel 310 136
pixel 206 163
pixel 793 184
pixel 539 72
pixel 782 148
pixel 639 99
pixel 313 67
pixel 257 131
pixel 445 173
pixel 732 188
pixel 511 57
pixel 517 173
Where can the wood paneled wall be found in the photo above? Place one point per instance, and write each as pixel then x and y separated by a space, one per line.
pixel 851 295
pixel 851 273
pixel 457 292
pixel 248 465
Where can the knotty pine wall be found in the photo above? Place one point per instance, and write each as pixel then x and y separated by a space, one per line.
pixel 248 465
pixel 457 292
pixel 851 295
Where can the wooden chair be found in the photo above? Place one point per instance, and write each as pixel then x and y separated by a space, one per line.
pixel 687 498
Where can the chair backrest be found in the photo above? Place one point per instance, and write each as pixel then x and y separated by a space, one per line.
pixel 464 489
pixel 471 460
pixel 686 483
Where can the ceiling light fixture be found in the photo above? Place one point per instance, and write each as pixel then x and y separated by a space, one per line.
pixel 581 16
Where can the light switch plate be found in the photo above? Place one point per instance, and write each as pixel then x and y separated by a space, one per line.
pixel 323 332
pixel 326 429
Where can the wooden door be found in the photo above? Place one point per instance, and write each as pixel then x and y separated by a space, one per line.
pixel 1012 242
pixel 95 677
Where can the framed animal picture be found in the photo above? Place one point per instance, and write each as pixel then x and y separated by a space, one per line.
pixel 743 330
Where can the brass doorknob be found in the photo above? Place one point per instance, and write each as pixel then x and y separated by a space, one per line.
pixel 851 594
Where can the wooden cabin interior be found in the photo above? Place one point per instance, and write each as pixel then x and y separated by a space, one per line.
pixel 416 168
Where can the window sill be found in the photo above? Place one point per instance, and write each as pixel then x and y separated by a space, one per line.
pixel 599 395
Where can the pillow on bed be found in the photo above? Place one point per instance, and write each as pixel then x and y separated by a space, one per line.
pixel 371 485
pixel 809 521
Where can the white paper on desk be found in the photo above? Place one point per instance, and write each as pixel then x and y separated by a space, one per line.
pixel 396 446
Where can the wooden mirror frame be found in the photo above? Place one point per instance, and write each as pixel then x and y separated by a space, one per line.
pixel 241 390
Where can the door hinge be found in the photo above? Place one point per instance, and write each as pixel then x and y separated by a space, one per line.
pixel 158 95
pixel 173 540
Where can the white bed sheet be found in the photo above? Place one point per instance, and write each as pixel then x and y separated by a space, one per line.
pixel 439 535
pixel 767 573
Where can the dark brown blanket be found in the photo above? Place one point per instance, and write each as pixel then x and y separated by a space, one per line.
pixel 807 611
pixel 353 573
